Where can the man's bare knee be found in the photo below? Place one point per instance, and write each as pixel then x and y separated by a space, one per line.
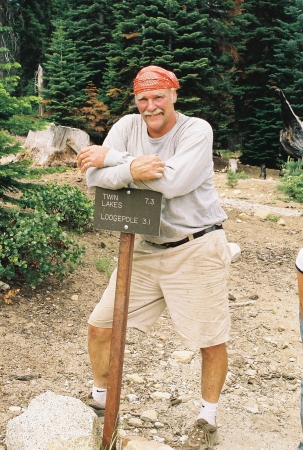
pixel 213 352
pixel 102 335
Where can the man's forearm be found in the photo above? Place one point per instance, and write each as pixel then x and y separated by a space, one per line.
pixel 114 178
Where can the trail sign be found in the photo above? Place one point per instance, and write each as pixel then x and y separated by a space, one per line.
pixel 128 210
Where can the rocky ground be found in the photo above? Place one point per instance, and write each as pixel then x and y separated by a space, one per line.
pixel 43 334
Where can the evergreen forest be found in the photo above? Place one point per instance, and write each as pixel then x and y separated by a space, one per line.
pixel 230 57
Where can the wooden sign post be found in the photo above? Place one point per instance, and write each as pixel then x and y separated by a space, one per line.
pixel 118 340
pixel 129 211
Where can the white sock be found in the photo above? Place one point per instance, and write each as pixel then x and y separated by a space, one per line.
pixel 208 412
pixel 99 394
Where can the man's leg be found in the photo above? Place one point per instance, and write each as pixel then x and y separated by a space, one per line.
pixel 99 340
pixel 214 370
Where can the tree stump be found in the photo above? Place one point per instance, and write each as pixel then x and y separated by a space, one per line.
pixel 55 146
pixel 233 165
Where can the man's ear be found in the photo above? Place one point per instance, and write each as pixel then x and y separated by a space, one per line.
pixel 175 96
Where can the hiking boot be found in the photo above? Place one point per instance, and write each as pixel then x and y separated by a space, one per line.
pixel 203 436
pixel 97 407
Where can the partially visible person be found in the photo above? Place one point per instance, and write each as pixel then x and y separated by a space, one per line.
pixel 263 172
pixel 185 268
pixel 299 266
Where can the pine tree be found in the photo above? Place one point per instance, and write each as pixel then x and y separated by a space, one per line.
pixel 216 89
pixel 31 23
pixel 191 39
pixel 66 80
pixel 257 106
pixel 89 24
pixel 286 69
pixel 10 172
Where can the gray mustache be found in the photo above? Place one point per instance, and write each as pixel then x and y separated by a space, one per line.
pixel 154 113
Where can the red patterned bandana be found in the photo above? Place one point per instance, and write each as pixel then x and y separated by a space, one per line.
pixel 153 77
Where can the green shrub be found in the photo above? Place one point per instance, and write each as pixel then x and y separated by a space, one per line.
pixel 228 154
pixel 33 247
pixel 242 175
pixel 292 186
pixel 232 179
pixel 273 218
pixel 74 208
pixel 292 167
pixel 104 265
pixel 35 173
pixel 21 124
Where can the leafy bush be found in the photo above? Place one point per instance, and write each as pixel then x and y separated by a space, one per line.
pixel 105 265
pixel 292 181
pixel 31 248
pixel 292 186
pixel 35 173
pixel 242 175
pixel 73 208
pixel 292 167
pixel 232 179
pixel 274 218
pixel 21 125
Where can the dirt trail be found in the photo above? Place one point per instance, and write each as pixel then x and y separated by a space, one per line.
pixel 43 335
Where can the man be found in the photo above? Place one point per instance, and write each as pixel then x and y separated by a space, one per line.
pixel 299 267
pixel 185 268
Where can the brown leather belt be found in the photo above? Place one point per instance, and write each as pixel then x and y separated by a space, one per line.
pixel 187 239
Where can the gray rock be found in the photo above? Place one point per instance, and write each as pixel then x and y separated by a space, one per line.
pixel 135 422
pixel 149 415
pixel 135 378
pixel 183 356
pixel 262 214
pixel 244 216
pixel 144 444
pixel 4 287
pixel 54 422
pixel 160 395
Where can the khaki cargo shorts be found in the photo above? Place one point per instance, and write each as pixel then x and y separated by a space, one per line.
pixel 191 280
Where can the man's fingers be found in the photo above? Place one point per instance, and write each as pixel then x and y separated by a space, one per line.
pixel 92 156
pixel 83 153
pixel 147 167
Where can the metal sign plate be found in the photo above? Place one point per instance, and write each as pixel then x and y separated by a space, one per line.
pixel 128 210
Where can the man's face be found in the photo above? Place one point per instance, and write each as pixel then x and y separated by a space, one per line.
pixel 157 109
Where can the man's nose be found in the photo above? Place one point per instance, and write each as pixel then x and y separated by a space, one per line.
pixel 151 105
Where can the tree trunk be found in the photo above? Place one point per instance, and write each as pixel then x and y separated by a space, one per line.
pixel 40 89
pixel 291 137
